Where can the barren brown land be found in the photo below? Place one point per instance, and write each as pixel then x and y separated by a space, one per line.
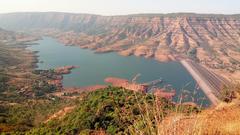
pixel 17 68
pixel 17 62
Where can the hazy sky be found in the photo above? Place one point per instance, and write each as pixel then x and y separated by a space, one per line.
pixel 113 7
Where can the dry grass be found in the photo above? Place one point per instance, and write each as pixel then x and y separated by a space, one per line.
pixel 223 119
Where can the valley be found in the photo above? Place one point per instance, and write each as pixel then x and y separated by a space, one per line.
pixel 70 73
pixel 211 40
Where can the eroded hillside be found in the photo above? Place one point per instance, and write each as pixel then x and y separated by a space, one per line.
pixel 213 40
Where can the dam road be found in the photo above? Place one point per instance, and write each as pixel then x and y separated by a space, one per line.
pixel 209 82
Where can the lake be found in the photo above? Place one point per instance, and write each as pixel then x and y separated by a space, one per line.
pixel 94 68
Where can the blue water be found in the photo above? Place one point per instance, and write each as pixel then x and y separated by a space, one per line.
pixel 94 68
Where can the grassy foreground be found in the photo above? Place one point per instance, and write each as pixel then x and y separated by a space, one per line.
pixel 108 111
pixel 113 111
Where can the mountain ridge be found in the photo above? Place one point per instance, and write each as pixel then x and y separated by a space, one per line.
pixel 133 14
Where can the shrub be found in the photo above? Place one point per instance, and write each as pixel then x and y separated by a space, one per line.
pixel 113 110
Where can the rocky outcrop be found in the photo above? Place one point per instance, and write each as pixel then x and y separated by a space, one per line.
pixel 158 92
pixel 64 69
pixel 119 82
pixel 56 77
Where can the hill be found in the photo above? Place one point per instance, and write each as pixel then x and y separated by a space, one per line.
pixel 120 111
pixel 111 111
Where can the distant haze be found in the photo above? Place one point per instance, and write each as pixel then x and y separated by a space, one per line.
pixel 122 7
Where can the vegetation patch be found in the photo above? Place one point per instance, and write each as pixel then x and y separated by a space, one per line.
pixel 113 111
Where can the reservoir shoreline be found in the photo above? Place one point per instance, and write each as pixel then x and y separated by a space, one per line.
pixel 94 68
